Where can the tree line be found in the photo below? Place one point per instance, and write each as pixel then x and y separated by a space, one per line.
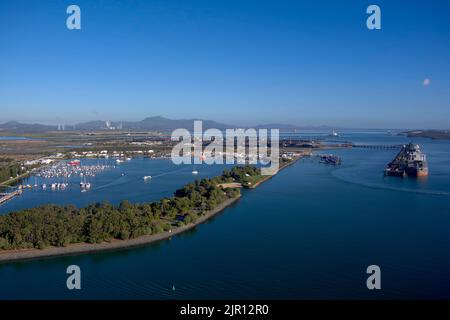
pixel 56 225
pixel 10 169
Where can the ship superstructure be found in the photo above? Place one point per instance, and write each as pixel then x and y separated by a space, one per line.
pixel 410 161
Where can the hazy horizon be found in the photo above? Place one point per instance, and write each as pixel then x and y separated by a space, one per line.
pixel 238 62
pixel 315 126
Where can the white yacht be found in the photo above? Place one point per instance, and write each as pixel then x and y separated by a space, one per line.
pixel 334 133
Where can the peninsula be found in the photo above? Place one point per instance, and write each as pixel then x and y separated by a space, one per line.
pixel 432 134
pixel 53 230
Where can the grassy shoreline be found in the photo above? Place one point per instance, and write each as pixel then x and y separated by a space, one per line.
pixel 265 178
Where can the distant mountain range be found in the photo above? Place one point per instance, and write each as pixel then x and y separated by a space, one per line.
pixel 157 123
pixel 148 124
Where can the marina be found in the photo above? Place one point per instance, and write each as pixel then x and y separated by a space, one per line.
pixel 62 174
pixel 68 169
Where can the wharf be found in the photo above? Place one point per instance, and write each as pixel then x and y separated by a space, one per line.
pixel 8 196
pixel 378 146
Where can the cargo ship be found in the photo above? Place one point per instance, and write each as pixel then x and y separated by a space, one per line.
pixel 410 161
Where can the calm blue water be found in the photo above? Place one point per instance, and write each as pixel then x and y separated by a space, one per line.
pixel 310 232
pixel 17 138
pixel 125 181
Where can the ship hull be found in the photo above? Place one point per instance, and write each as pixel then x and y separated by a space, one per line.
pixel 394 173
pixel 410 161
pixel 422 173
pixel 417 171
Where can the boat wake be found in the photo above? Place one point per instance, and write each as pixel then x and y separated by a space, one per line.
pixel 117 182
pixel 340 175
pixel 123 179
pixel 169 172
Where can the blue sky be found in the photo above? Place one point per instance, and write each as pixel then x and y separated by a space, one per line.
pixel 240 62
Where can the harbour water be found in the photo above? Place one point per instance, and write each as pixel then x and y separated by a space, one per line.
pixel 309 232
pixel 16 138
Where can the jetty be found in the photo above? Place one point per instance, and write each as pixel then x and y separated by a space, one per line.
pixel 378 146
pixel 8 196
